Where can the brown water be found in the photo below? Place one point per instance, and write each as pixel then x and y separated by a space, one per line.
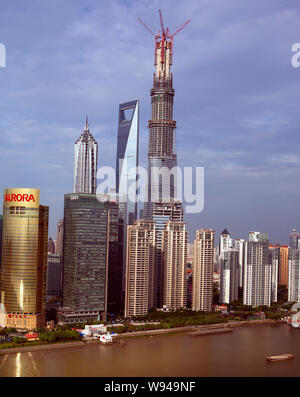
pixel 240 353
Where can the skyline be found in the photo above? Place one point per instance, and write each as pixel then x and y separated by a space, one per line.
pixel 226 72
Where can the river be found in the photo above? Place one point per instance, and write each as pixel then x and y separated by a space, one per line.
pixel 240 353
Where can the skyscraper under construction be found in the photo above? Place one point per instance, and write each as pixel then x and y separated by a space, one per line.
pixel 161 204
pixel 162 158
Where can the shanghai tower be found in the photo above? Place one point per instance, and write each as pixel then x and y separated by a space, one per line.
pixel 162 159
pixel 161 205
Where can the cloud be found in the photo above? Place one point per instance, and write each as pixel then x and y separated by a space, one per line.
pixel 236 98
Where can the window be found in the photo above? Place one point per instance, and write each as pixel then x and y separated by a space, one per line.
pixel 17 210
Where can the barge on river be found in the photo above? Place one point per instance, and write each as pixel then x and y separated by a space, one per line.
pixel 281 357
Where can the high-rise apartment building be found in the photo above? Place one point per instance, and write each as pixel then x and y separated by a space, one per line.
pixel 254 236
pixel 24 258
pixel 225 242
pixel 85 162
pixel 283 272
pixel 174 248
pixel 203 270
pixel 140 262
pixel 229 276
pixel 85 258
pixel 257 272
pixel 162 213
pixel 127 157
pixel 274 255
pixel 294 239
pixel 239 245
pixel 294 276
pixel 229 267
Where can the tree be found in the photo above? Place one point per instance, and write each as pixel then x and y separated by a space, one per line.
pixel 216 294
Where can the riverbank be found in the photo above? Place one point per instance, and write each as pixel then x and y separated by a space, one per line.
pixel 210 332
pixel 190 328
pixel 49 346
pixel 154 332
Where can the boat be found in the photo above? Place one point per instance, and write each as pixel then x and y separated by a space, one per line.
pixel 105 338
pixel 281 357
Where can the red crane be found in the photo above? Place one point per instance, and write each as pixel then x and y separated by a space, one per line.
pixel 161 32
pixel 146 27
pixel 178 30
pixel 163 35
pixel 161 21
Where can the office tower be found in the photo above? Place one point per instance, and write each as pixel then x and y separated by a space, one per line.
pixel 127 156
pixel 85 162
pixel 140 262
pixel 24 258
pixel 85 258
pixel 239 245
pixel 174 249
pixel 294 239
pixel 116 271
pixel 203 270
pixel 294 276
pixel 60 237
pixel 51 246
pixel 229 276
pixel 257 272
pixel 283 273
pixel 53 285
pixel 162 158
pixel 274 254
pixel 162 213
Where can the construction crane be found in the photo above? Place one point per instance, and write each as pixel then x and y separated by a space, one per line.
pixel 183 26
pixel 163 35
pixel 147 27
pixel 162 31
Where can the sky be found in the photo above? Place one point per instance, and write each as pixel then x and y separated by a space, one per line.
pixel 236 99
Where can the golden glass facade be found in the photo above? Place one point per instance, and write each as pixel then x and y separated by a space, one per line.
pixel 24 258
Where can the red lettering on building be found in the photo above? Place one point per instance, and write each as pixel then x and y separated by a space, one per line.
pixel 19 197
